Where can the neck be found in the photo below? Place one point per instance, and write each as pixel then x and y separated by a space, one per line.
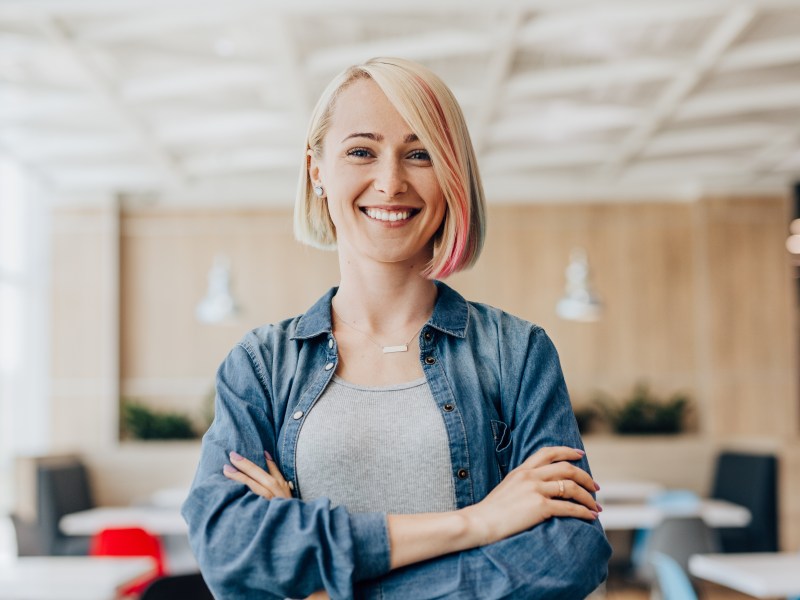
pixel 384 299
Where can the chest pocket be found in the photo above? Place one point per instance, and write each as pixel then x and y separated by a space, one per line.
pixel 502 445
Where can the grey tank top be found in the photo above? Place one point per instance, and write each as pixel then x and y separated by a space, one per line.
pixel 376 449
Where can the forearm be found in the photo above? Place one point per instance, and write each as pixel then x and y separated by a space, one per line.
pixel 560 558
pixel 418 537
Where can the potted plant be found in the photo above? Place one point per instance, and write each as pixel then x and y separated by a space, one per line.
pixel 645 413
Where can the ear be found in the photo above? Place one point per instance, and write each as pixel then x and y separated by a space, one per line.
pixel 313 168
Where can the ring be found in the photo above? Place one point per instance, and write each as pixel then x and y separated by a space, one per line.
pixel 560 488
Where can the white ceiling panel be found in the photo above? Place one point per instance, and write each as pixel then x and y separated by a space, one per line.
pixel 566 99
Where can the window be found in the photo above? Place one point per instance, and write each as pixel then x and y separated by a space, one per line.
pixel 24 352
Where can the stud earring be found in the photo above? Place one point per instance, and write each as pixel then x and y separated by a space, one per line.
pixel 318 191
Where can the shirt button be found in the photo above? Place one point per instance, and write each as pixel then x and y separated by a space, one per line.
pixel 429 360
pixel 463 473
pixel 329 366
pixel 449 407
pixel 298 415
pixel 330 343
pixel 428 336
pixel 291 485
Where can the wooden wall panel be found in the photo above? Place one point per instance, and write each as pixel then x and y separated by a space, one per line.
pixel 169 358
pixel 752 319
pixel 642 268
pixel 699 297
pixel 84 324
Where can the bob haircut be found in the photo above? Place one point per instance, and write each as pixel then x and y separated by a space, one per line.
pixel 430 109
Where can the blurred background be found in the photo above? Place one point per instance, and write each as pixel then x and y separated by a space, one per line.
pixel 640 161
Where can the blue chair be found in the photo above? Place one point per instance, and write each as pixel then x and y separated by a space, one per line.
pixel 672 579
pixel 673 500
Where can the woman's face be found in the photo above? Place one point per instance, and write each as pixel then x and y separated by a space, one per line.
pixel 382 193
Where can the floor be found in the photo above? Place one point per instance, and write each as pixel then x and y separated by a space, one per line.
pixel 618 590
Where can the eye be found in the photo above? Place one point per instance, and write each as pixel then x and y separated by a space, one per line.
pixel 420 155
pixel 359 153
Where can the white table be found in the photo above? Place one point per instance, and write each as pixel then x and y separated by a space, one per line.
pixel 716 513
pixel 160 521
pixel 68 577
pixel 165 522
pixel 168 497
pixel 762 574
pixel 632 490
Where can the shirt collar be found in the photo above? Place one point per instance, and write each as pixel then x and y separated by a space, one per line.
pixel 450 315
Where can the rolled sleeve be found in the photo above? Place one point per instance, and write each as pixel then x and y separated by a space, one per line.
pixel 247 546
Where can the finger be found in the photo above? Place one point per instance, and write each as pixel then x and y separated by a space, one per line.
pixel 550 454
pixel 256 473
pixel 558 508
pixel 272 466
pixel 236 475
pixel 565 489
pixel 565 470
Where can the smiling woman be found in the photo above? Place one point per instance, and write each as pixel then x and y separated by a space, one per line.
pixel 396 440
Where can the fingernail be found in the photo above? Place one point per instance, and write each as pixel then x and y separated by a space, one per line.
pixel 596 487
pixel 229 469
pixel 579 451
pixel 594 514
pixel 599 507
pixel 236 456
pixel 268 456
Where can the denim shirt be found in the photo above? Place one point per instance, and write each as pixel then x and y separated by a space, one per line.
pixel 498 383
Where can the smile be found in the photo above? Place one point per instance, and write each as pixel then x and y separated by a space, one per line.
pixel 389 215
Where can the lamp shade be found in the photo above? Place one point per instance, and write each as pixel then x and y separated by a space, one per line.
pixel 579 302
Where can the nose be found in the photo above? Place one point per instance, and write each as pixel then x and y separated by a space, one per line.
pixel 390 178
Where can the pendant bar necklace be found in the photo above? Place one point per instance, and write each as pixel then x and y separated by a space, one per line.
pixel 386 349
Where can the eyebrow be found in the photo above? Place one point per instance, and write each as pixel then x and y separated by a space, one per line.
pixel 377 137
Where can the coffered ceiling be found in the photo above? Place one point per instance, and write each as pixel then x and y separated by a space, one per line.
pixel 207 102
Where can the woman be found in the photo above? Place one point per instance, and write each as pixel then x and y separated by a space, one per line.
pixel 395 441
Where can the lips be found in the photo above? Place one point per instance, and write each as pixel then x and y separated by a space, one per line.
pixel 389 216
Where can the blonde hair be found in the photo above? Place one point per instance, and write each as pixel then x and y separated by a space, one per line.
pixel 430 109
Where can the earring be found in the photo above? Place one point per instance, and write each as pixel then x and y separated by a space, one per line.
pixel 318 191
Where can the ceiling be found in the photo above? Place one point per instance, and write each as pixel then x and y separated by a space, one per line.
pixel 207 102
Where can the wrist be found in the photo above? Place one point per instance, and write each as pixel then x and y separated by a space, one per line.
pixel 477 531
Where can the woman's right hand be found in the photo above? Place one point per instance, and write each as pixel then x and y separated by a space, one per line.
pixel 546 485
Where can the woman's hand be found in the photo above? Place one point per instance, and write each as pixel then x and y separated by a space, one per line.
pixel 542 487
pixel 267 485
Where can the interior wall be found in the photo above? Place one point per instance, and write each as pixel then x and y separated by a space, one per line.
pixel 698 298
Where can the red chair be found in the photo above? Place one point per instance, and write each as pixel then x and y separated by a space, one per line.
pixel 131 541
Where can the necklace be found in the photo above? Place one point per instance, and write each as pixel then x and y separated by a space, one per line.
pixel 386 349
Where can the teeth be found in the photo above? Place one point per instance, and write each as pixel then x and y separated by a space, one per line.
pixel 385 215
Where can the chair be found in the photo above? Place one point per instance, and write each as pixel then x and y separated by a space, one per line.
pixel 62 487
pixel 29 542
pixel 678 538
pixel 672 579
pixel 131 541
pixel 175 587
pixel 675 500
pixel 749 480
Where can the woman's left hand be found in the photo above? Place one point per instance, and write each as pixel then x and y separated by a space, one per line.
pixel 267 485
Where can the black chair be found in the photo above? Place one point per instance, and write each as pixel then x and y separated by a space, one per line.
pixel 750 480
pixel 178 587
pixel 62 487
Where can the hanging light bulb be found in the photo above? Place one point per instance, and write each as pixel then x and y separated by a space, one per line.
pixel 218 304
pixel 579 302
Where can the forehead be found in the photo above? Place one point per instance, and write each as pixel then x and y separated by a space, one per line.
pixel 362 107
